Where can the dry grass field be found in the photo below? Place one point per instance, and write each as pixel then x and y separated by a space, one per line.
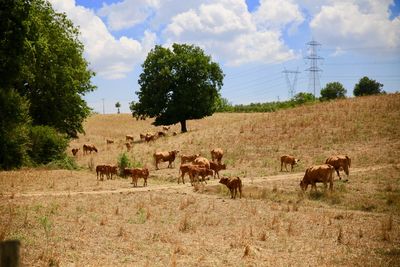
pixel 69 218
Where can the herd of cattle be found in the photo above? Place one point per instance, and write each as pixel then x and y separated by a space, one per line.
pixel 198 167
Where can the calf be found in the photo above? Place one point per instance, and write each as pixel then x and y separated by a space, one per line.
pixel 286 159
pixel 89 148
pixel 183 169
pixel 189 158
pixel 234 184
pixel 216 167
pixel 75 151
pixel 217 154
pixel 318 174
pixel 165 156
pixel 338 162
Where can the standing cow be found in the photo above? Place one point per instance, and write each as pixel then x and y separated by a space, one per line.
pixel 165 156
pixel 339 162
pixel 234 184
pixel 288 160
pixel 217 154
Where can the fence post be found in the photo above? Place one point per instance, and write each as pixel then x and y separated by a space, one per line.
pixel 9 253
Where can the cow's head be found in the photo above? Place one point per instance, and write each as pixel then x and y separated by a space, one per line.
pixel 95 149
pixel 224 180
pixel 296 161
pixel 223 166
pixel 303 185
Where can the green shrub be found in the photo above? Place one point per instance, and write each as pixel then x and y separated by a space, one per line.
pixel 14 129
pixel 47 145
pixel 123 162
pixel 67 162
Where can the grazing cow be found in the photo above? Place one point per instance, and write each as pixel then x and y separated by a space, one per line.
pixel 202 161
pixel 217 154
pixel 318 174
pixel 338 162
pixel 216 167
pixel 165 156
pixel 128 146
pixel 234 184
pixel 286 159
pixel 109 141
pixel 137 173
pixel 90 148
pixel 166 128
pixel 150 137
pixel 75 151
pixel 129 138
pixel 195 171
pixel 189 158
pixel 101 170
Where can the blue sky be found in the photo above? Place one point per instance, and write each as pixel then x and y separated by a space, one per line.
pixel 253 41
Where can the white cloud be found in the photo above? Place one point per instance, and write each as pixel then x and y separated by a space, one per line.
pixel 127 13
pixel 228 31
pixel 272 14
pixel 363 23
pixel 109 57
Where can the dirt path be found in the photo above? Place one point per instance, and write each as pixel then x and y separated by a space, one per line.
pixel 185 188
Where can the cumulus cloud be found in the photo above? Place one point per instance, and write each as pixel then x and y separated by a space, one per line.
pixel 351 23
pixel 226 29
pixel 109 57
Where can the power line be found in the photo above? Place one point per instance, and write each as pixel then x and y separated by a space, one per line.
pixel 313 69
pixel 291 84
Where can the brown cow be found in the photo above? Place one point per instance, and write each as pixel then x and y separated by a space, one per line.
pixel 129 138
pixel 234 184
pixel 109 141
pixel 183 169
pixel 150 137
pixel 142 136
pixel 202 161
pixel 165 156
pixel 90 148
pixel 338 162
pixel 318 174
pixel 101 170
pixel 112 170
pixel 195 171
pixel 137 173
pixel 75 151
pixel 216 167
pixel 161 134
pixel 217 154
pixel 286 159
pixel 189 158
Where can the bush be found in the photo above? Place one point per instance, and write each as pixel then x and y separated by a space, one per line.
pixel 367 86
pixel 47 145
pixel 65 163
pixel 14 129
pixel 123 162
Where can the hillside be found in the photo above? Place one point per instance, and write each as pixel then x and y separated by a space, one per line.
pixel 67 217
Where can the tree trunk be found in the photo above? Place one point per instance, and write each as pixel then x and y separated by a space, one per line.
pixel 183 126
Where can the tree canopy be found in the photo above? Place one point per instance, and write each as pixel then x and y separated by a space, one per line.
pixel 367 86
pixel 178 84
pixel 333 90
pixel 54 74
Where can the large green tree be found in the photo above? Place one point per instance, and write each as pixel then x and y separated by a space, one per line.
pixel 178 84
pixel 333 90
pixel 54 74
pixel 367 86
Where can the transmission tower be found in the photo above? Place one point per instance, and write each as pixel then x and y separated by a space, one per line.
pixel 314 70
pixel 291 84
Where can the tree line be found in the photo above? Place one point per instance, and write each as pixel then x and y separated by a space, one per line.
pixel 333 90
pixel 43 79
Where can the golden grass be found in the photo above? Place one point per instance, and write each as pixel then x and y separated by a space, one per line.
pixel 69 218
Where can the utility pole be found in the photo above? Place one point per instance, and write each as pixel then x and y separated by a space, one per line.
pixel 291 84
pixel 103 106
pixel 314 70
